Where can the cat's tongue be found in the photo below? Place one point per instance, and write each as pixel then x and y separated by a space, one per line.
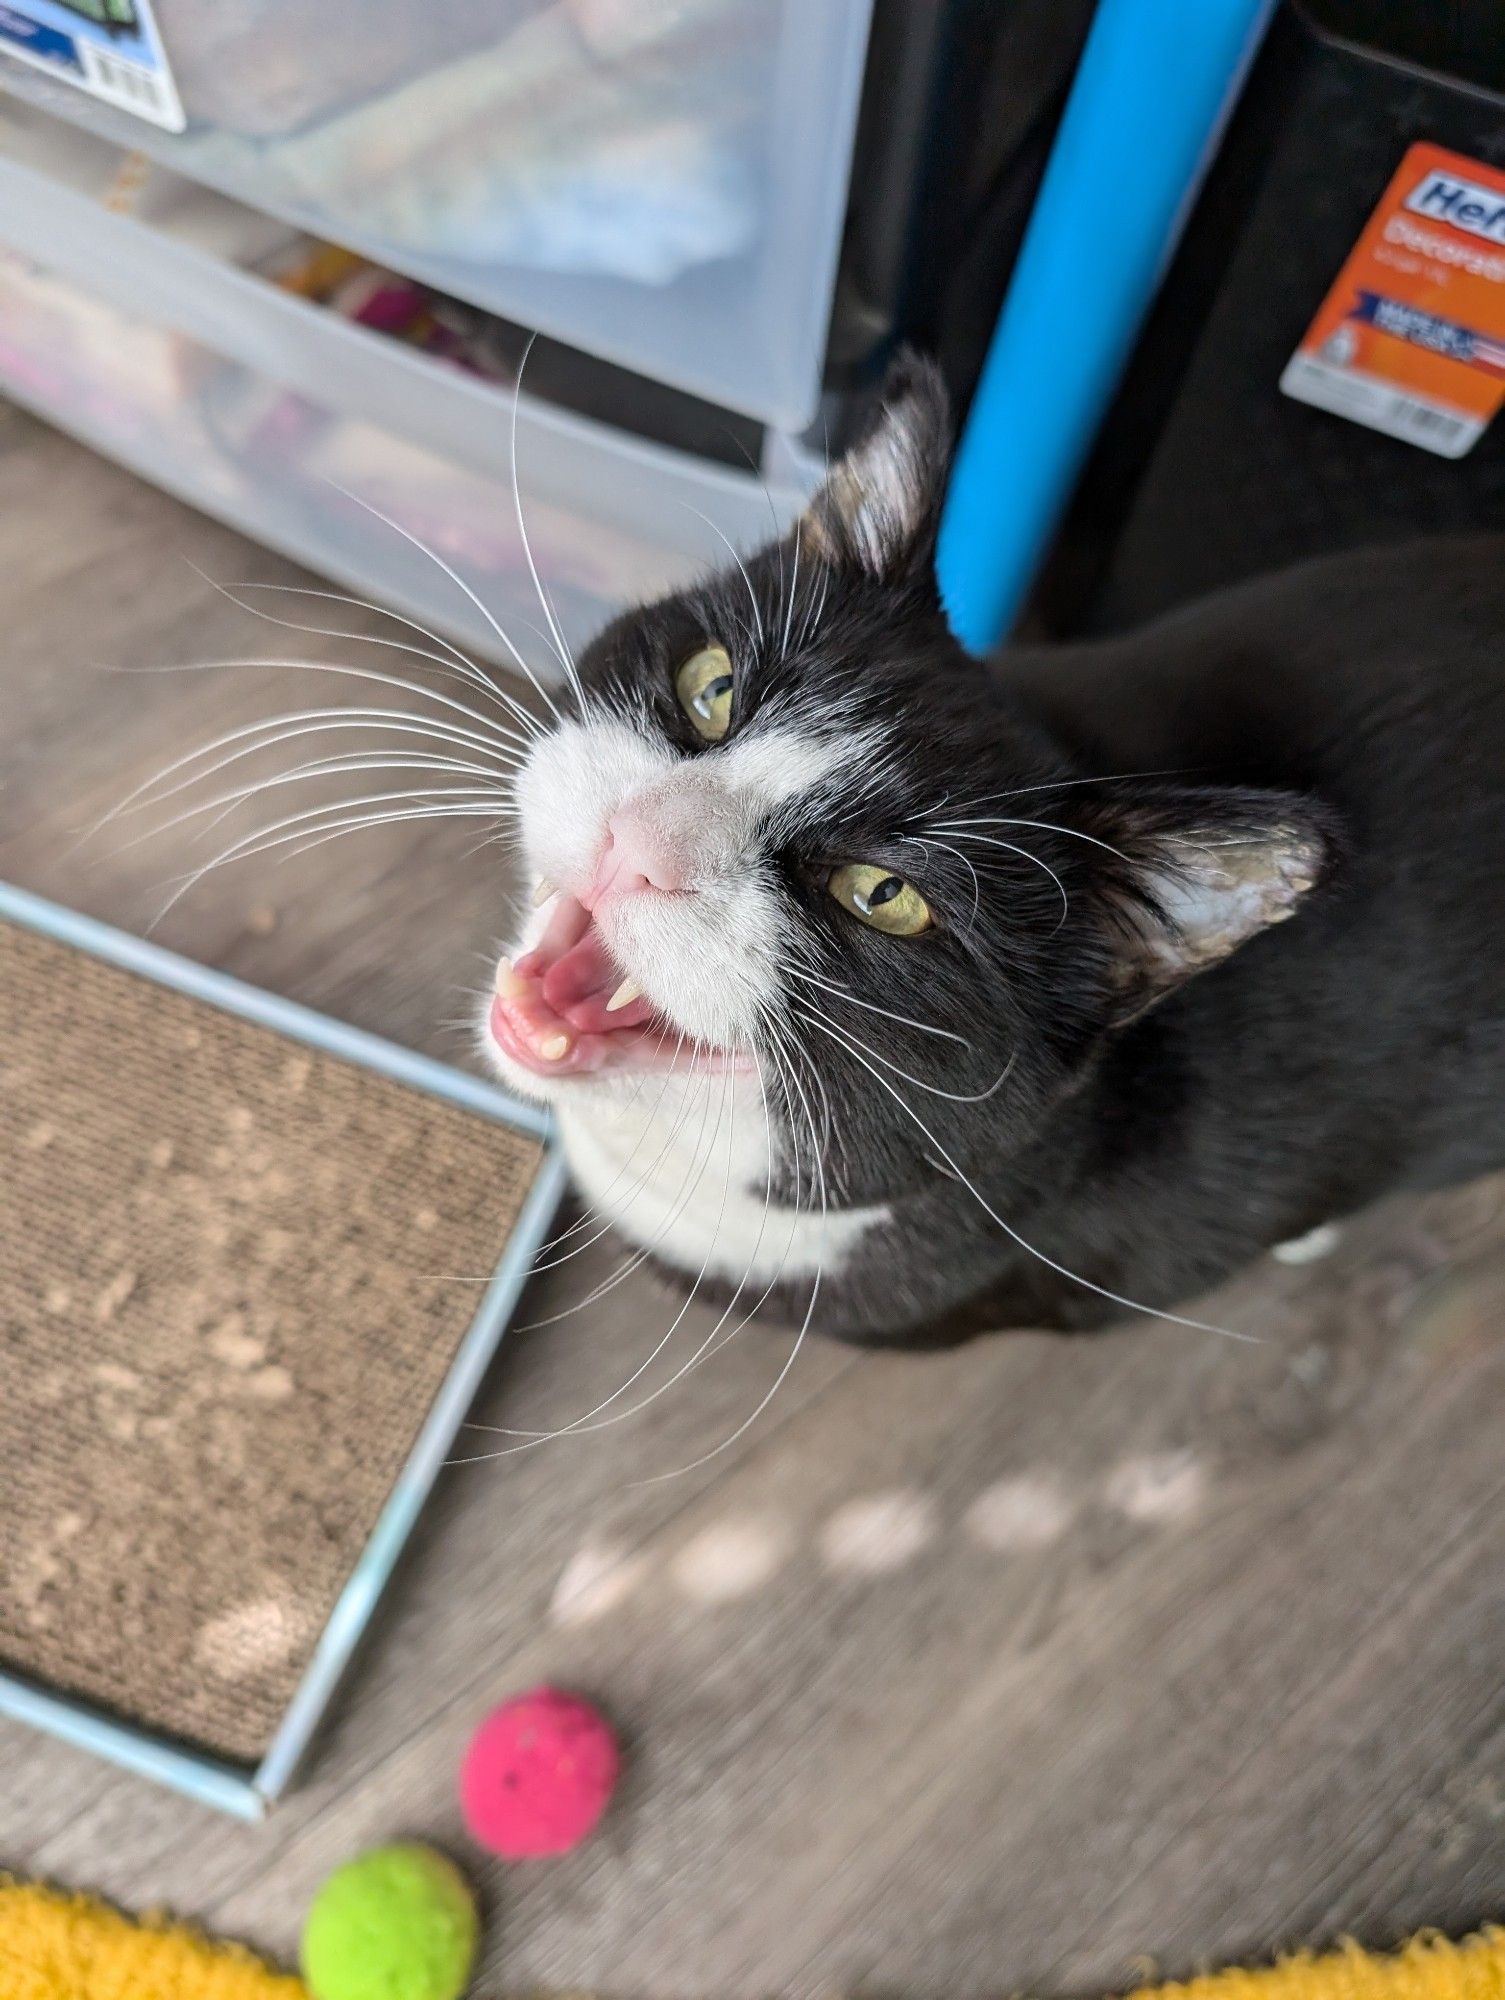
pixel 582 982
pixel 553 1010
pixel 578 977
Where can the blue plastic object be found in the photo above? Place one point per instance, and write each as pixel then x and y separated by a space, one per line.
pixel 1155 83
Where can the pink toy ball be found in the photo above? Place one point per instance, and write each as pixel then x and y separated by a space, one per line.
pixel 538 1775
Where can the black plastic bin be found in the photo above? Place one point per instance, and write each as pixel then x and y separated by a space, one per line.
pixel 1205 472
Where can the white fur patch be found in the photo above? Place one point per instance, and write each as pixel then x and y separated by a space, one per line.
pixel 572 783
pixel 678 1166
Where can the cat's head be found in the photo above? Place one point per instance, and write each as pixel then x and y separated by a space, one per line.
pixel 788 827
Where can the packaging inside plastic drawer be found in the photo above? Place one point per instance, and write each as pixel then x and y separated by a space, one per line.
pixel 345 495
pixel 117 380
pixel 660 182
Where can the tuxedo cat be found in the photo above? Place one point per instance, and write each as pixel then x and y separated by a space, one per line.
pixel 917 995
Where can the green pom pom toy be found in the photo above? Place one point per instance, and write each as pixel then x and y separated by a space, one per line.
pixel 398 1923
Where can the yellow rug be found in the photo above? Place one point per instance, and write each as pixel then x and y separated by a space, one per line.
pixel 1428 1968
pixel 60 1947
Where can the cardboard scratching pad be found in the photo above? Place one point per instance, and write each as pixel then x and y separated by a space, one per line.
pixel 227 1306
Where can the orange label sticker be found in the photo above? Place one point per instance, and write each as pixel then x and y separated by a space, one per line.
pixel 1411 338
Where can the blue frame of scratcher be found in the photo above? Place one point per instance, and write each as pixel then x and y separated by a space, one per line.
pixel 249 1794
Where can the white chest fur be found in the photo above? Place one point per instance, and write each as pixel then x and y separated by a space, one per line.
pixel 680 1167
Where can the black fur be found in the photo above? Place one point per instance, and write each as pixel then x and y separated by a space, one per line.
pixel 1181 1092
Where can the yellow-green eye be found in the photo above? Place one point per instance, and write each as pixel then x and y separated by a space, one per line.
pixel 704 686
pixel 876 897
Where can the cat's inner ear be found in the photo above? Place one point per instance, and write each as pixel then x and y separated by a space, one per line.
pixel 1197 874
pixel 880 504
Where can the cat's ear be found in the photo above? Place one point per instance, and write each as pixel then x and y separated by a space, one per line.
pixel 880 504
pixel 1194 874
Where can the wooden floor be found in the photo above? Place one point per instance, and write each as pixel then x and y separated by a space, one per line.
pixel 992 1673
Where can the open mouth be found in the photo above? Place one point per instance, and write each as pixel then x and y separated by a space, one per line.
pixel 566 1008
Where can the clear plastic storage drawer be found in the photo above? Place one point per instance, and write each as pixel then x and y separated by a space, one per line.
pixel 382 466
pixel 658 182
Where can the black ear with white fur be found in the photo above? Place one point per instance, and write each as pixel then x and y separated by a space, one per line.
pixel 880 505
pixel 1196 873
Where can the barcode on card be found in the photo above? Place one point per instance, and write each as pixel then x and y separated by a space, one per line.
pixel 1367 399
pixel 1425 422
pixel 129 85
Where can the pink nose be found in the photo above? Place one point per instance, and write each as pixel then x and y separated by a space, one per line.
pixel 633 860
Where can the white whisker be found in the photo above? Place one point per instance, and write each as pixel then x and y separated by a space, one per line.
pixel 905 1020
pixel 222 805
pixel 645 1250
pixel 312 722
pixel 816 1016
pixel 561 650
pixel 799 1339
pixel 1011 847
pixel 960 826
pixel 1072 1277
pixel 587 1422
pixel 281 832
pixel 151 792
pixel 794 584
pixel 595 1210
pixel 341 670
pixel 640 1184
pixel 752 595
pixel 455 578
pixel 925 840
pixel 1069 784
pixel 452 660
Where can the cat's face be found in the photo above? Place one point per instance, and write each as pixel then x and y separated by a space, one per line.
pixel 786 829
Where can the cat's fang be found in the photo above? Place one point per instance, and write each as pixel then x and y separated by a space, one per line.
pixel 509 984
pixel 626 993
pixel 542 894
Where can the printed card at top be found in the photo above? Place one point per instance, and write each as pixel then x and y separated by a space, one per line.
pixel 1410 340
pixel 110 48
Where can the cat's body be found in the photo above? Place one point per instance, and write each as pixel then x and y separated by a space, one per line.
pixel 1330 1061
pixel 1104 1072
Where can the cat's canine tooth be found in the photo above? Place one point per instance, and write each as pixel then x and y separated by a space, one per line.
pixel 626 993
pixel 555 1049
pixel 542 894
pixel 509 984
